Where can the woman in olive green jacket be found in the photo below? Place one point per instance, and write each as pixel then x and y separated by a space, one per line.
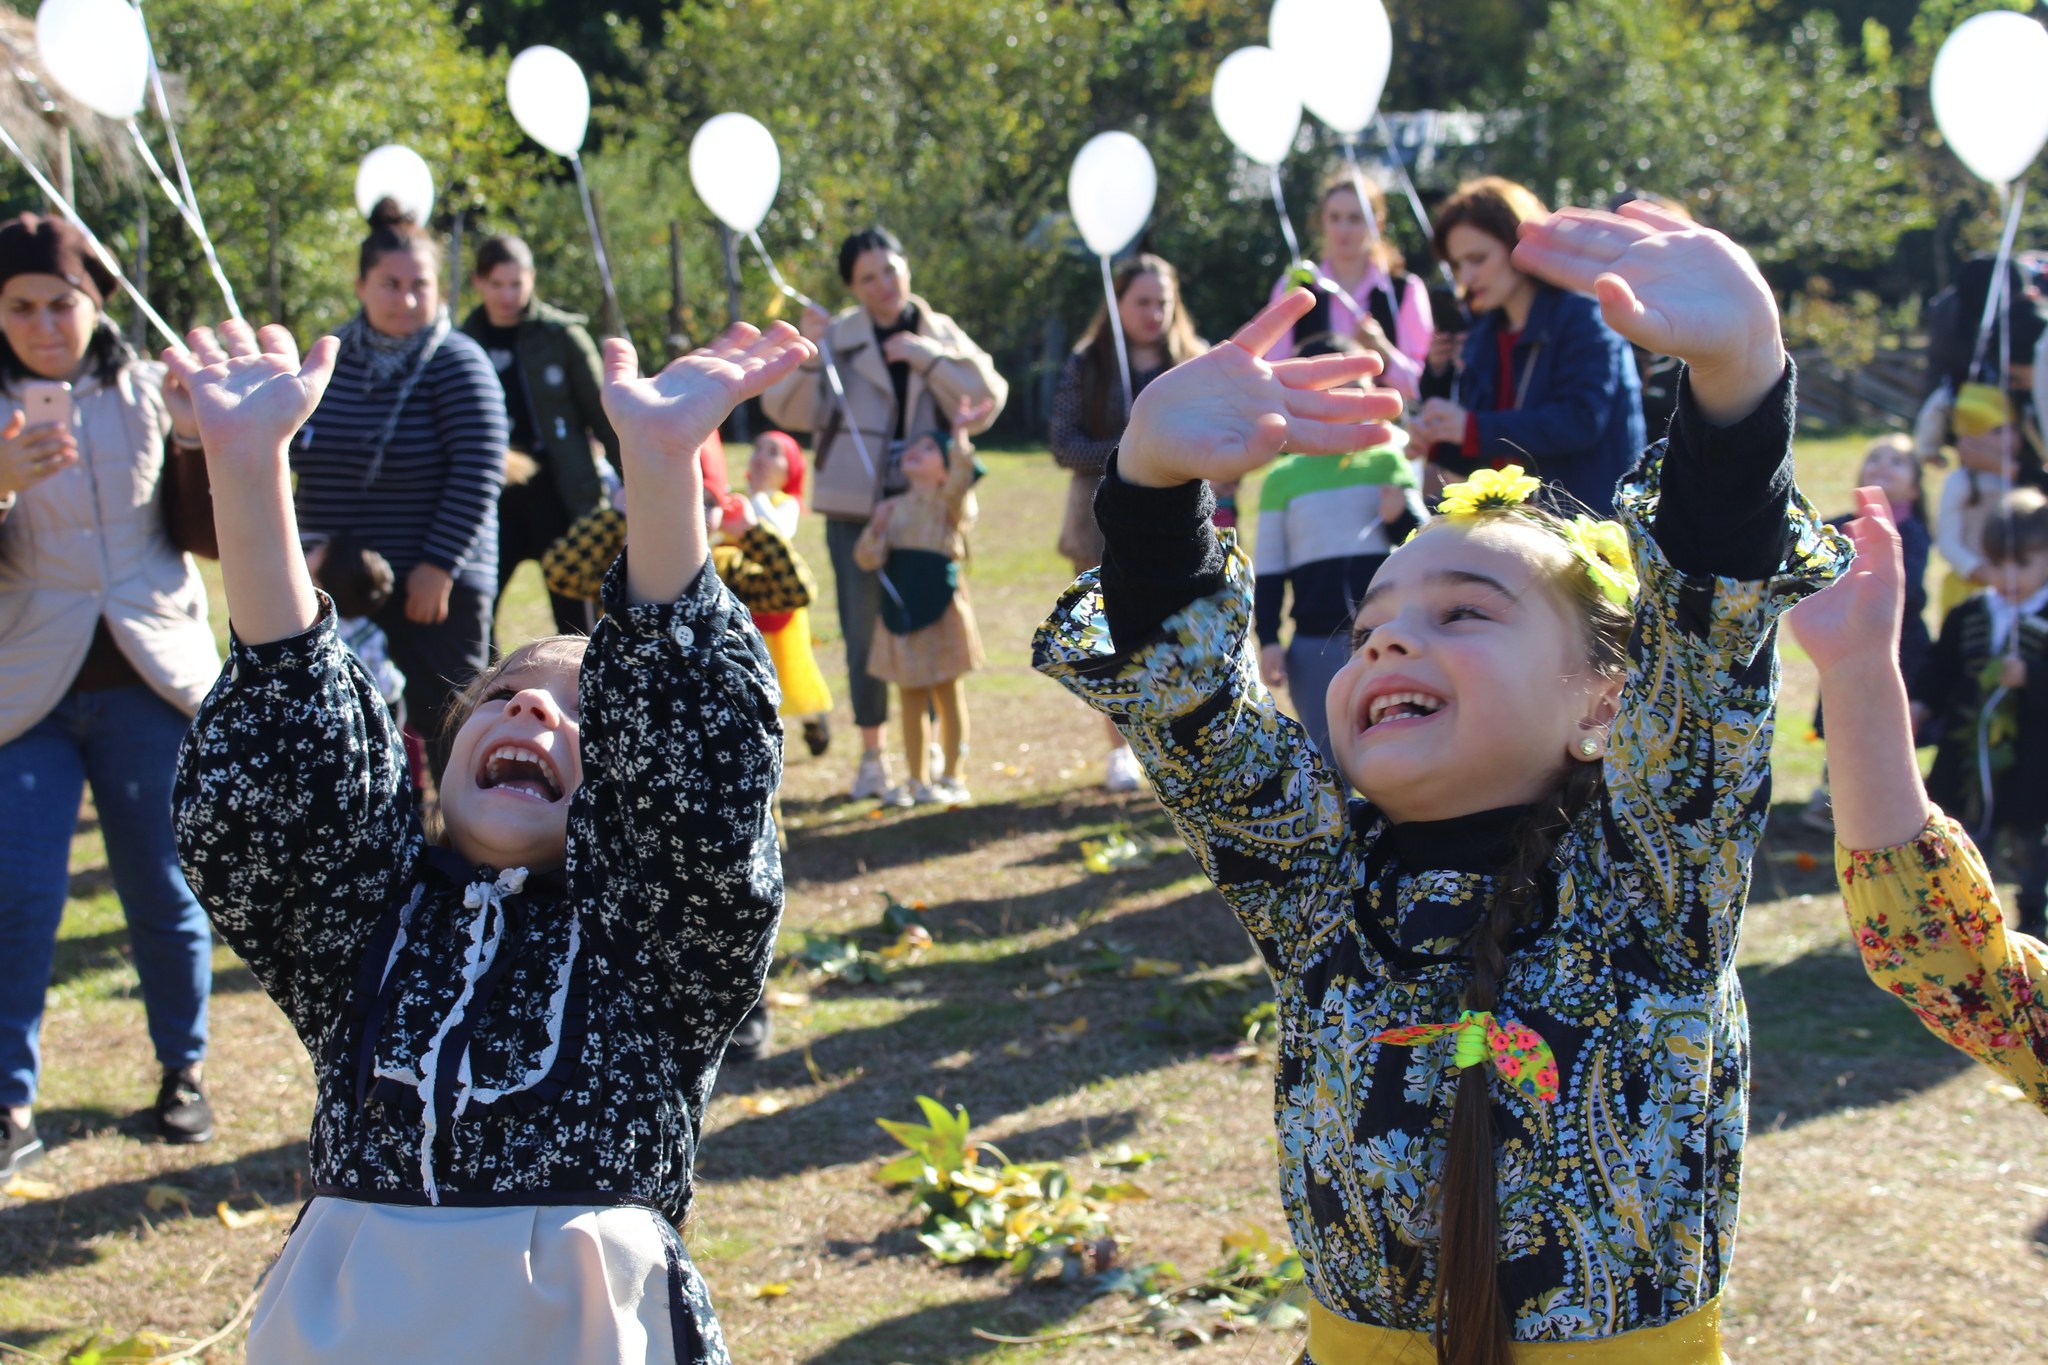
pixel 548 365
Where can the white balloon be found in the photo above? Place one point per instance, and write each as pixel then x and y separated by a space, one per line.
pixel 1990 93
pixel 736 168
pixel 550 98
pixel 1110 191
pixel 1255 101
pixel 1337 54
pixel 395 172
pixel 97 51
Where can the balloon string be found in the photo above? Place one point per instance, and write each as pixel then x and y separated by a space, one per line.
pixel 1286 226
pixel 790 291
pixel 1116 326
pixel 604 265
pixel 191 217
pixel 1372 220
pixel 1408 189
pixel 190 199
pixel 51 193
pixel 1999 269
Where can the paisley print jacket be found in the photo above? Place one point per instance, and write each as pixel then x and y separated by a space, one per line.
pixel 488 1035
pixel 1926 919
pixel 1617 1202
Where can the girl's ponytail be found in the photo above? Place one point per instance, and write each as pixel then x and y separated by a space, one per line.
pixel 1472 1325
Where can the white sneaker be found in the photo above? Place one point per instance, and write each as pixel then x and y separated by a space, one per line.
pixel 872 779
pixel 1124 773
pixel 951 791
pixel 905 796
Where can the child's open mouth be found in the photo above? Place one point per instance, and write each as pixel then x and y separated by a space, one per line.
pixel 1391 708
pixel 516 768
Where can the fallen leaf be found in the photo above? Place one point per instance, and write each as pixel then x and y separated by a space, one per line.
pixel 788 1000
pixel 776 1290
pixel 1068 1033
pixel 1063 971
pixel 762 1104
pixel 1013 1048
pixel 235 1222
pixel 161 1197
pixel 1242 1052
pixel 1124 1157
pixel 1146 968
pixel 25 1187
pixel 1114 854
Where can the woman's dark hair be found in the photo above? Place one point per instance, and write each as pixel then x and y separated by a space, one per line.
pixel 503 249
pixel 876 238
pixel 393 229
pixel 1101 377
pixel 1471 1320
pixel 1493 204
pixel 107 354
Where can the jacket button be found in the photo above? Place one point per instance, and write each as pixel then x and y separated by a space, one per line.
pixel 684 636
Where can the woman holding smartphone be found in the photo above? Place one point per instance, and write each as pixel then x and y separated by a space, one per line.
pixel 105 653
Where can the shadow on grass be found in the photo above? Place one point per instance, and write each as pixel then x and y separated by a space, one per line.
pixel 1104 1028
pixel 946 1331
pixel 84 954
pixel 1824 1038
pixel 59 1127
pixel 860 845
pixel 45 1234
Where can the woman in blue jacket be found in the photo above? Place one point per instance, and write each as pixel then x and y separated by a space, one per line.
pixel 1542 382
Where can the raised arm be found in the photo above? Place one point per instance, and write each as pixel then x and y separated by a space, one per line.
pixel 291 807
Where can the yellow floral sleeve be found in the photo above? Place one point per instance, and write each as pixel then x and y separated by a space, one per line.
pixel 1928 924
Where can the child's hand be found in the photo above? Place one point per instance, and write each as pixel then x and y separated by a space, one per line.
pixel 747 519
pixel 2013 674
pixel 1224 414
pixel 250 394
pixel 1855 619
pixel 1273 665
pixel 662 420
pixel 1672 287
pixel 968 413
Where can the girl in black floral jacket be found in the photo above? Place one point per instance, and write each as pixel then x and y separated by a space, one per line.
pixel 514 1030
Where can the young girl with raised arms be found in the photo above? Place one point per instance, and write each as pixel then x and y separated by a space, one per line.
pixel 1921 902
pixel 514 1027
pixel 1511 1094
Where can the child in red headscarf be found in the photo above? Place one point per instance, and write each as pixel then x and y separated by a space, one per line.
pixel 775 482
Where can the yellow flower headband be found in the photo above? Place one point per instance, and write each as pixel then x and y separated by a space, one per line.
pixel 1602 546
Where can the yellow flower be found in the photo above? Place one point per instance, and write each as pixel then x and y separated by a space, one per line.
pixel 1602 546
pixel 1486 490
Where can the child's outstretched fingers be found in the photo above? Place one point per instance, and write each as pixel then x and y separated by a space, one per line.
pixel 251 394
pixel 1855 619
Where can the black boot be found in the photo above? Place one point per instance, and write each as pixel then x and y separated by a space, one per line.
pixel 182 1113
pixel 750 1040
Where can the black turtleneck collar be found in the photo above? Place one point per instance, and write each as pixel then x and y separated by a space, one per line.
pixel 1480 842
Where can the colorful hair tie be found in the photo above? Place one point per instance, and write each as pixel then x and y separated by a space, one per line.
pixel 1518 1052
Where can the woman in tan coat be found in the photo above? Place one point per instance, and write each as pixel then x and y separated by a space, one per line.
pixel 905 367
pixel 105 653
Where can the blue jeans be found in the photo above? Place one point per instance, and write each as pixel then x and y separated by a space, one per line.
pixel 125 741
pixel 860 605
pixel 1312 660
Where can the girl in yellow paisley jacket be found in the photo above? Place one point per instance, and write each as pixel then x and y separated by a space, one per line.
pixel 1511 1096
pixel 1920 899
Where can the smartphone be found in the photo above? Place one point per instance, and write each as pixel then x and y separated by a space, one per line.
pixel 46 403
pixel 1448 308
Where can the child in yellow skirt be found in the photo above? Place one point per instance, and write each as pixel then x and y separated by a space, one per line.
pixel 925 639
pixel 775 481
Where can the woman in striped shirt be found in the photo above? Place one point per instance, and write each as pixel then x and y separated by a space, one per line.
pixel 406 454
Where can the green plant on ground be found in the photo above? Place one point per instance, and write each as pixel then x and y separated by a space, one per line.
pixel 868 954
pixel 1030 1215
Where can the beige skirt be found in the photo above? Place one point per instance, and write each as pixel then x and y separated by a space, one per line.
pixel 392 1284
pixel 948 648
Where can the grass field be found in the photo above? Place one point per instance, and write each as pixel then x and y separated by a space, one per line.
pixel 1895 1209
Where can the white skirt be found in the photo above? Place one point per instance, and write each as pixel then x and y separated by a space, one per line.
pixel 360 1282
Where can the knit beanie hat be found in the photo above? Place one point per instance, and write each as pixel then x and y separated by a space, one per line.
pixel 792 455
pixel 35 245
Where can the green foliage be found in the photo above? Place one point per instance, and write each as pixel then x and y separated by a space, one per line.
pixel 867 955
pixel 1032 1216
pixel 1788 144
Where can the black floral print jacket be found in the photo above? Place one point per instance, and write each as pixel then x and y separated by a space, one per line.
pixel 485 1035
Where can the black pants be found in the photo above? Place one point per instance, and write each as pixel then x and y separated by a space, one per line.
pixel 531 517
pixel 2027 846
pixel 438 660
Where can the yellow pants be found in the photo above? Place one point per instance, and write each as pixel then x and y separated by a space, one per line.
pixel 1694 1339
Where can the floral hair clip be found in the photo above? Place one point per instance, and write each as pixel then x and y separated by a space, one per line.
pixel 1602 546
pixel 1518 1052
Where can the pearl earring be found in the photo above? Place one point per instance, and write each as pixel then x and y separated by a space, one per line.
pixel 1589 747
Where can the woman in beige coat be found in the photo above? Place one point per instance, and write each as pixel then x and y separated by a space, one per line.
pixel 906 367
pixel 105 653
